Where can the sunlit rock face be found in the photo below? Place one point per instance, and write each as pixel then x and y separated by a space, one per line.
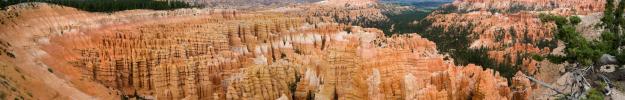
pixel 354 12
pixel 245 3
pixel 29 27
pixel 260 4
pixel 349 2
pixel 506 35
pixel 561 6
pixel 225 54
pixel 510 29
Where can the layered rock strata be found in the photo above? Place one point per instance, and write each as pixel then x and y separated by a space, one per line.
pixel 511 30
pixel 505 35
pixel 563 6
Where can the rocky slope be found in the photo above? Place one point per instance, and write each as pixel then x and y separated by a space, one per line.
pixel 256 4
pixel 564 6
pixel 228 54
pixel 509 28
pixel 247 3
pixel 505 35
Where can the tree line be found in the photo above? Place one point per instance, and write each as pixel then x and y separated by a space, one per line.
pixel 107 5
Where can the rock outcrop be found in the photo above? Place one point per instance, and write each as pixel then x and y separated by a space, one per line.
pixel 353 12
pixel 506 36
pixel 260 4
pixel 511 30
pixel 562 6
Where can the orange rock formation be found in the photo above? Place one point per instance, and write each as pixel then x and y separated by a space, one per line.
pixel 564 6
pixel 504 34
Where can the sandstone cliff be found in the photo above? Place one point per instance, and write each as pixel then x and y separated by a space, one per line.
pixel 509 29
pixel 564 6
pixel 256 4
pixel 505 35
pixel 353 12
pixel 247 3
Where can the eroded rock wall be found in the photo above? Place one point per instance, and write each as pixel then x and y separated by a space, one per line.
pixel 505 35
pixel 561 6
pixel 510 30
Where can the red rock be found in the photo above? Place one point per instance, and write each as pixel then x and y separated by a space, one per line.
pixel 562 6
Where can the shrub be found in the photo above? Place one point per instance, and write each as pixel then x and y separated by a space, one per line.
pixel 3 95
pixel 499 36
pixel 556 59
pixel 517 8
pixel 559 20
pixel 595 94
pixel 10 54
pixel 578 49
pixel 575 20
pixel 537 57
pixel 50 70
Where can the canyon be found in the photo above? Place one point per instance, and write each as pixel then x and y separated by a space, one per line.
pixel 308 49
pixel 574 7
pixel 509 36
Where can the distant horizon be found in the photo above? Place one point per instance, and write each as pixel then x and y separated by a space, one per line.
pixel 417 0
